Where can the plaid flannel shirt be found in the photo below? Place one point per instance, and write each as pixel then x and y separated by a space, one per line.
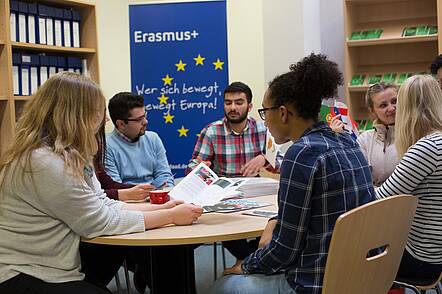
pixel 227 150
pixel 323 175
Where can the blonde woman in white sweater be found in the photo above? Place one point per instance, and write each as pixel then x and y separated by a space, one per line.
pixel 50 197
pixel 378 144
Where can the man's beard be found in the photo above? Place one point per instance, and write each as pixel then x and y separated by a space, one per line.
pixel 237 120
pixel 137 138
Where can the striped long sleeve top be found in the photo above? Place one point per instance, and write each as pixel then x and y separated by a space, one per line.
pixel 420 173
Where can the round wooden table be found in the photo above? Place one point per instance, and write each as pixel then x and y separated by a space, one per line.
pixel 210 227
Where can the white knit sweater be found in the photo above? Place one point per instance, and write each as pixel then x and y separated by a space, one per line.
pixel 380 151
pixel 44 213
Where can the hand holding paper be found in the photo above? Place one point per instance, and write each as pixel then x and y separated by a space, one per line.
pixel 203 187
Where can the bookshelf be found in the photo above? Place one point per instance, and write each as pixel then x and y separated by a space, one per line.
pixel 391 52
pixel 47 48
pixel 12 105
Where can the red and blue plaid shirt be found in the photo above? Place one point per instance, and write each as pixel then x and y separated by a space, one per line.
pixel 227 150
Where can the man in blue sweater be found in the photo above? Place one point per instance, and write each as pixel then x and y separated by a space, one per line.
pixel 134 155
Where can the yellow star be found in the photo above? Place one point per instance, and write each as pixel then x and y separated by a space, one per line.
pixel 218 64
pixel 180 65
pixel 163 99
pixel 168 118
pixel 167 80
pixel 183 131
pixel 199 60
pixel 199 134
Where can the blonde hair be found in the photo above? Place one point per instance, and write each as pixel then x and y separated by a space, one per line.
pixel 63 116
pixel 418 112
pixel 375 89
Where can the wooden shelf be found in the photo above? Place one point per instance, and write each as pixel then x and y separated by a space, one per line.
pixel 2 42
pixel 391 41
pixel 22 98
pixel 3 98
pixel 358 88
pixel 48 48
pixel 69 3
pixel 391 53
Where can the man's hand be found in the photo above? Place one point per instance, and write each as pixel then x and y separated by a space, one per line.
pixel 251 168
pixel 336 124
pixel 267 234
pixel 198 160
pixel 234 270
pixel 138 192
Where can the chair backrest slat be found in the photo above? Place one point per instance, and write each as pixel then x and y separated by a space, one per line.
pixel 382 223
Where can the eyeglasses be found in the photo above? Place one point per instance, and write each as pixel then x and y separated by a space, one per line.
pixel 262 111
pixel 138 119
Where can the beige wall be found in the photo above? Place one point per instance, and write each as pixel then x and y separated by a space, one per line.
pixel 262 40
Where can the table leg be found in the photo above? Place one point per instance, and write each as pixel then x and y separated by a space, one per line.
pixel 172 269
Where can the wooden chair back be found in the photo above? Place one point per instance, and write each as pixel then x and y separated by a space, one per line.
pixel 381 226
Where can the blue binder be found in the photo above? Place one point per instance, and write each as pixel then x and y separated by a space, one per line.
pixel 14 24
pixel 58 26
pixel 22 22
pixel 67 28
pixel 52 65
pixel 76 18
pixel 61 64
pixel 74 64
pixel 44 69
pixel 50 34
pixel 34 73
pixel 16 72
pixel 32 23
pixel 25 75
pixel 43 14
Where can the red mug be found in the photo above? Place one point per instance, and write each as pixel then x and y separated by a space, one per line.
pixel 159 196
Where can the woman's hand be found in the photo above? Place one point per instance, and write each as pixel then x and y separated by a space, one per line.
pixel 336 124
pixel 138 192
pixel 185 214
pixel 267 234
pixel 171 204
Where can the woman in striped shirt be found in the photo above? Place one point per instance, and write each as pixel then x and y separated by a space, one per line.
pixel 419 144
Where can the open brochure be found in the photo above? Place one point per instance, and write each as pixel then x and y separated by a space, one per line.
pixel 203 187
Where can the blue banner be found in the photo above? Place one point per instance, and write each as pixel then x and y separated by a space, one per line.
pixel 179 65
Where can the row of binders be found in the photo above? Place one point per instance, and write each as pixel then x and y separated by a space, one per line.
pixel 42 24
pixel 29 71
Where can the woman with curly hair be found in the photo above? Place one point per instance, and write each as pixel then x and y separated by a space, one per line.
pixel 315 169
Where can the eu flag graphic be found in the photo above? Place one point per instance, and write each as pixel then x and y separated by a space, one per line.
pixel 179 65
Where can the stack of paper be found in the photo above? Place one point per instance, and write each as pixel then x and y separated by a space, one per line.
pixel 259 187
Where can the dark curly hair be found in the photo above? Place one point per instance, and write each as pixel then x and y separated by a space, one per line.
pixel 306 84
pixel 436 64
